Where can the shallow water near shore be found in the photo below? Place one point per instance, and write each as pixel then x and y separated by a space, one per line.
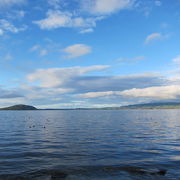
pixel 90 144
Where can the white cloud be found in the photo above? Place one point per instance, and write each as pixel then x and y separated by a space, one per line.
pixel 106 6
pixel 55 19
pixel 176 60
pixel 85 22
pixel 158 3
pixel 77 50
pixel 9 93
pixel 12 101
pixel 15 14
pixel 158 92
pixel 153 37
pixel 89 30
pixel 6 26
pixel 54 85
pixel 56 3
pixel 34 48
pixel 20 14
pixel 175 79
pixel 59 105
pixel 41 51
pixel 58 19
pixel 78 104
pixel 98 94
pixel 54 77
pixel 44 93
pixel 1 32
pixel 131 60
pixel 7 3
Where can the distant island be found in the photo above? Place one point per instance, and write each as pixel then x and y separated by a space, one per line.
pixel 19 107
pixel 160 105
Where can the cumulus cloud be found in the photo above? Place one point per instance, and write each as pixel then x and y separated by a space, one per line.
pixel 56 3
pixel 65 85
pixel 7 3
pixel 116 83
pixel 89 30
pixel 75 78
pixel 15 14
pixel 106 6
pixel 12 101
pixel 9 94
pixel 38 93
pixel 41 51
pixel 175 79
pixel 77 50
pixel 96 10
pixel 153 37
pixel 34 95
pixel 98 94
pixel 55 77
pixel 55 19
pixel 58 19
pixel 51 83
pixel 1 32
pixel 158 92
pixel 34 48
pixel 6 26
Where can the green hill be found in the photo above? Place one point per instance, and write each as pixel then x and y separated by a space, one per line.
pixel 19 107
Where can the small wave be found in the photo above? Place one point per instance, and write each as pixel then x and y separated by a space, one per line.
pixel 39 175
pixel 56 174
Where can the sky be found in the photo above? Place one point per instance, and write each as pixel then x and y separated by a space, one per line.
pixel 89 53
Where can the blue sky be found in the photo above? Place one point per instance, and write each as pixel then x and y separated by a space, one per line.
pixel 89 53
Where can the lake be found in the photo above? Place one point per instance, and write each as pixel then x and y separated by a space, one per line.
pixel 90 144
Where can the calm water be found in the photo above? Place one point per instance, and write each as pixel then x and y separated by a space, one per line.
pixel 128 144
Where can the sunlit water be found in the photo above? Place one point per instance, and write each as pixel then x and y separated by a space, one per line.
pixel 80 144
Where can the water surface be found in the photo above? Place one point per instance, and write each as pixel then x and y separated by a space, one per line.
pixel 89 144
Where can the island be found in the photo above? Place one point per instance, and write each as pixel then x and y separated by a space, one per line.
pixel 19 107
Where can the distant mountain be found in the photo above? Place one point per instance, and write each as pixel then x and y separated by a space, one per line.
pixel 19 107
pixel 160 105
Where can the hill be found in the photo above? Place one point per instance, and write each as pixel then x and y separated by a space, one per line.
pixel 161 105
pixel 19 107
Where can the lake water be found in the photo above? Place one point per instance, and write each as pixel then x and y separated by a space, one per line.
pixel 89 144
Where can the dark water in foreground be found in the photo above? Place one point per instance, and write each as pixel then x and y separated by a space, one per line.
pixel 127 145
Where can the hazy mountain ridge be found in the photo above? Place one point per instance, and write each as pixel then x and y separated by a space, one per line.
pixel 160 105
